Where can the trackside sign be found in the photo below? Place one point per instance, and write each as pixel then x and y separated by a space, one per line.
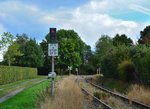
pixel 53 49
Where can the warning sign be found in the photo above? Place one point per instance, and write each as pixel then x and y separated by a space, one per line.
pixel 53 49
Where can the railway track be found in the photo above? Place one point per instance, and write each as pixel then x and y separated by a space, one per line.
pixel 123 98
pixel 104 105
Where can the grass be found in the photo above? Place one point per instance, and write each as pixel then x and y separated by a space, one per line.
pixel 26 99
pixel 68 96
pixel 5 89
pixel 134 92
pixel 139 93
pixel 113 84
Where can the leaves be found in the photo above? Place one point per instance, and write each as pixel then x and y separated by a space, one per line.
pixel 6 40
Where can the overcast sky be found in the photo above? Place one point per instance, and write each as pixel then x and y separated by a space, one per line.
pixel 89 18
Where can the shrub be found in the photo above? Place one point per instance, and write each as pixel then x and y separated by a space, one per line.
pixel 126 70
pixel 100 95
pixel 110 61
pixel 145 66
pixel 10 74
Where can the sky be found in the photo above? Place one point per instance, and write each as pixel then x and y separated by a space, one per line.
pixel 89 18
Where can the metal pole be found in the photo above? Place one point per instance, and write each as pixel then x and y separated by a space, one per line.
pixel 52 77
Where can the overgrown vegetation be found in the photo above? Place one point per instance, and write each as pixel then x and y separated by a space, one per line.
pixel 140 93
pixel 101 95
pixel 119 58
pixel 10 74
pixel 68 95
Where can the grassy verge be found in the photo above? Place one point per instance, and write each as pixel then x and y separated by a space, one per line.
pixel 68 95
pixel 113 84
pixel 140 93
pixel 6 89
pixel 26 99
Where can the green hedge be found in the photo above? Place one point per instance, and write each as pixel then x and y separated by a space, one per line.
pixel 10 74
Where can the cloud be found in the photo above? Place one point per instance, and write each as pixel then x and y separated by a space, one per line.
pixel 141 9
pixel 90 20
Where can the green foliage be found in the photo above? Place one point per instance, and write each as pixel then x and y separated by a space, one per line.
pixel 10 74
pixel 103 45
pixel 100 95
pixel 32 52
pixel 126 70
pixel 6 40
pixel 12 52
pixel 145 36
pixel 22 51
pixel 72 50
pixel 87 69
pixel 111 59
pixel 122 39
pixel 145 66
pixel 33 55
pixel 114 60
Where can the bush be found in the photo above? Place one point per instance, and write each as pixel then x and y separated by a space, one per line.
pixel 145 66
pixel 87 69
pixel 126 70
pixel 100 95
pixel 10 74
pixel 110 61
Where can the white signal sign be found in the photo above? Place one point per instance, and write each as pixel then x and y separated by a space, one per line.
pixel 53 49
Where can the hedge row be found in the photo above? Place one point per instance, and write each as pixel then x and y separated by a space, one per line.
pixel 10 74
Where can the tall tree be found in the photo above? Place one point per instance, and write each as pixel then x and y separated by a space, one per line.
pixel 103 45
pixel 71 49
pixel 32 52
pixel 145 36
pixel 122 39
pixel 11 53
pixel 6 40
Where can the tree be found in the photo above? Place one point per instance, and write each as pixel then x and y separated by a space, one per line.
pixel 32 52
pixel 122 39
pixel 6 40
pixel 9 48
pixel 103 45
pixel 71 49
pixel 12 52
pixel 145 36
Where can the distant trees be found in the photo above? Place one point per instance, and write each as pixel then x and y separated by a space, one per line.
pixel 145 36
pixel 10 48
pixel 119 58
pixel 21 51
pixel 11 53
pixel 6 39
pixel 122 39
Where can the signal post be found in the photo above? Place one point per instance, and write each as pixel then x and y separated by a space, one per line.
pixel 52 51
